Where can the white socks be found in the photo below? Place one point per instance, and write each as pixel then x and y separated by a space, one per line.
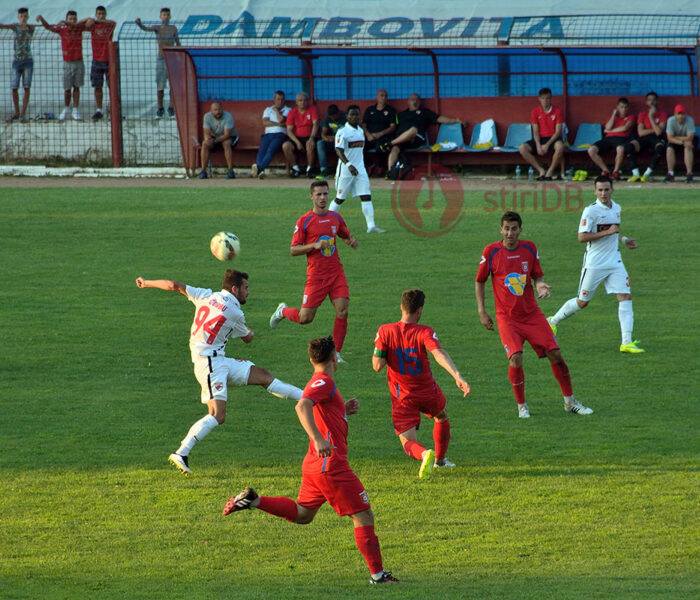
pixel 335 206
pixel 648 172
pixel 283 390
pixel 635 172
pixel 570 307
pixel 197 432
pixel 368 211
pixel 626 316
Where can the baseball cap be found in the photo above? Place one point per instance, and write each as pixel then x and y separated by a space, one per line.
pixel 680 108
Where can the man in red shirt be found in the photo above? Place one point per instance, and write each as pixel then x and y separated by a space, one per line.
pixel 513 264
pixel 403 348
pixel 302 130
pixel 651 127
pixel 101 30
pixel 71 34
pixel 617 132
pixel 315 236
pixel 547 123
pixel 326 473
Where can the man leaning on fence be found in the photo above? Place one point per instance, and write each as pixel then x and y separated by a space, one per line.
pixel 219 131
pixel 101 30
pixel 23 63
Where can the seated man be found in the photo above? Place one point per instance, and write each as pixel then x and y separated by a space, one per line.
pixel 651 125
pixel 547 122
pixel 334 120
pixel 412 129
pixel 275 122
pixel 302 130
pixel 219 132
pixel 379 125
pixel 680 131
pixel 616 133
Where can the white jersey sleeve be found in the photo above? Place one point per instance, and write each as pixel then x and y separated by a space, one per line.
pixel 587 223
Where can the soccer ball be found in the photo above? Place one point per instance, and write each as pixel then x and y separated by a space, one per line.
pixel 225 245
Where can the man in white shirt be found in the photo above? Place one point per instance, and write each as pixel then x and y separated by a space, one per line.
pixel 599 229
pixel 218 316
pixel 350 174
pixel 275 122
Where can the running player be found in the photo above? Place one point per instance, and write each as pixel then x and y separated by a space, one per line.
pixel 326 473
pixel 218 316
pixel 599 229
pixel 403 348
pixel 513 264
pixel 350 175
pixel 315 236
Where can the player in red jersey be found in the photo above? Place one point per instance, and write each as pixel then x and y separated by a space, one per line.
pixel 403 348
pixel 326 473
pixel 315 236
pixel 513 265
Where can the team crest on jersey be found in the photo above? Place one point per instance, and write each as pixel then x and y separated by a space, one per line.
pixel 334 229
pixel 515 282
pixel 363 496
pixel 525 266
pixel 331 245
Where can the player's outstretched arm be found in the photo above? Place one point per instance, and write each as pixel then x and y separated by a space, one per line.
pixel 445 361
pixel 543 290
pixel 631 243
pixel 305 412
pixel 168 285
pixel 46 24
pixel 480 291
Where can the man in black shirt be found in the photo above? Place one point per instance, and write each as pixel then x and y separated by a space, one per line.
pixel 379 125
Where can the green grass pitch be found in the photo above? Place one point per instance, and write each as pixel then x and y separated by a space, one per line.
pixel 98 389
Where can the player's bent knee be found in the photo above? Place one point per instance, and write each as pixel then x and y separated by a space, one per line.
pixel 516 360
pixel 364 518
pixel 582 303
pixel 441 416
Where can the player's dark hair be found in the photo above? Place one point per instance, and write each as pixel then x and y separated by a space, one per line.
pixel 166 9
pixel 512 216
pixel 321 349
pixel 71 12
pixel 603 179
pixel 318 183
pixel 333 109
pixel 353 107
pixel 623 100
pixel 21 11
pixel 279 93
pixel 412 300
pixel 100 7
pixel 544 91
pixel 652 93
pixel 233 278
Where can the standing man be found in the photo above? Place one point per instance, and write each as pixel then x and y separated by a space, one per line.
pixel 350 174
pixel 275 123
pixel 326 473
pixel 513 265
pixel 166 37
pixel 23 63
pixel 379 124
pixel 332 122
pixel 218 316
pixel 617 132
pixel 651 126
pixel 403 348
pixel 71 34
pixel 315 236
pixel 680 131
pixel 101 30
pixel 547 122
pixel 219 132
pixel 302 130
pixel 599 229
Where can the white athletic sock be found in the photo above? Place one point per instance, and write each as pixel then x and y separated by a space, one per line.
pixel 648 172
pixel 197 433
pixel 335 207
pixel 635 172
pixel 671 173
pixel 284 390
pixel 368 211
pixel 626 316
pixel 567 309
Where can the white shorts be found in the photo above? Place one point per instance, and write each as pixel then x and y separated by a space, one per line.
pixel 346 183
pixel 616 281
pixel 214 373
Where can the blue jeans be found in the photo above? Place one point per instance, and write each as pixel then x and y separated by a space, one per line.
pixel 322 147
pixel 23 69
pixel 270 143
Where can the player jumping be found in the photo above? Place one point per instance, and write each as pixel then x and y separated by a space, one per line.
pixel 326 473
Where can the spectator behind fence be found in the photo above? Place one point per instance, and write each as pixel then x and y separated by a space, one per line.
pixel 547 123
pixel 166 37
pixel 680 131
pixel 302 130
pixel 335 119
pixel 274 120
pixel 23 63
pixel 101 30
pixel 651 125
pixel 379 124
pixel 412 129
pixel 617 131
pixel 219 131
pixel 71 34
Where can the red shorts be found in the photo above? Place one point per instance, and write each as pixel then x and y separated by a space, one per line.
pixel 317 289
pixel 405 412
pixel 342 490
pixel 536 331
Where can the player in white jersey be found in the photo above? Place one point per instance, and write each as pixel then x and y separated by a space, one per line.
pixel 599 229
pixel 218 317
pixel 350 175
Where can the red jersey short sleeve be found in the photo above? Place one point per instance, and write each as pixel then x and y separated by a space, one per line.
pixel 546 121
pixel 660 118
pixel 302 122
pixel 621 122
pixel 311 228
pixel 71 42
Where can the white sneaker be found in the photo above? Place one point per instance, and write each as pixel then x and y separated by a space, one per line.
pixel 76 115
pixel 277 317
pixel 577 408
pixel 340 358
pixel 181 463
pixel 376 229
pixel 443 463
pixel 64 114
pixel 426 467
pixel 523 411
pixel 254 171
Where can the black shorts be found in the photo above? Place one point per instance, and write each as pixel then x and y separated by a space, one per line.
pixel 650 142
pixel 99 73
pixel 680 146
pixel 416 142
pixel 218 145
pixel 543 141
pixel 611 142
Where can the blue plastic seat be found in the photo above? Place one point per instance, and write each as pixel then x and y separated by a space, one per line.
pixel 476 134
pixel 450 132
pixel 517 134
pixel 586 135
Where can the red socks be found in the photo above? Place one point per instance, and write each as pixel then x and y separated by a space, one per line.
pixel 517 380
pixel 561 372
pixel 414 450
pixel 368 545
pixel 280 507
pixel 291 313
pixel 441 436
pixel 340 329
